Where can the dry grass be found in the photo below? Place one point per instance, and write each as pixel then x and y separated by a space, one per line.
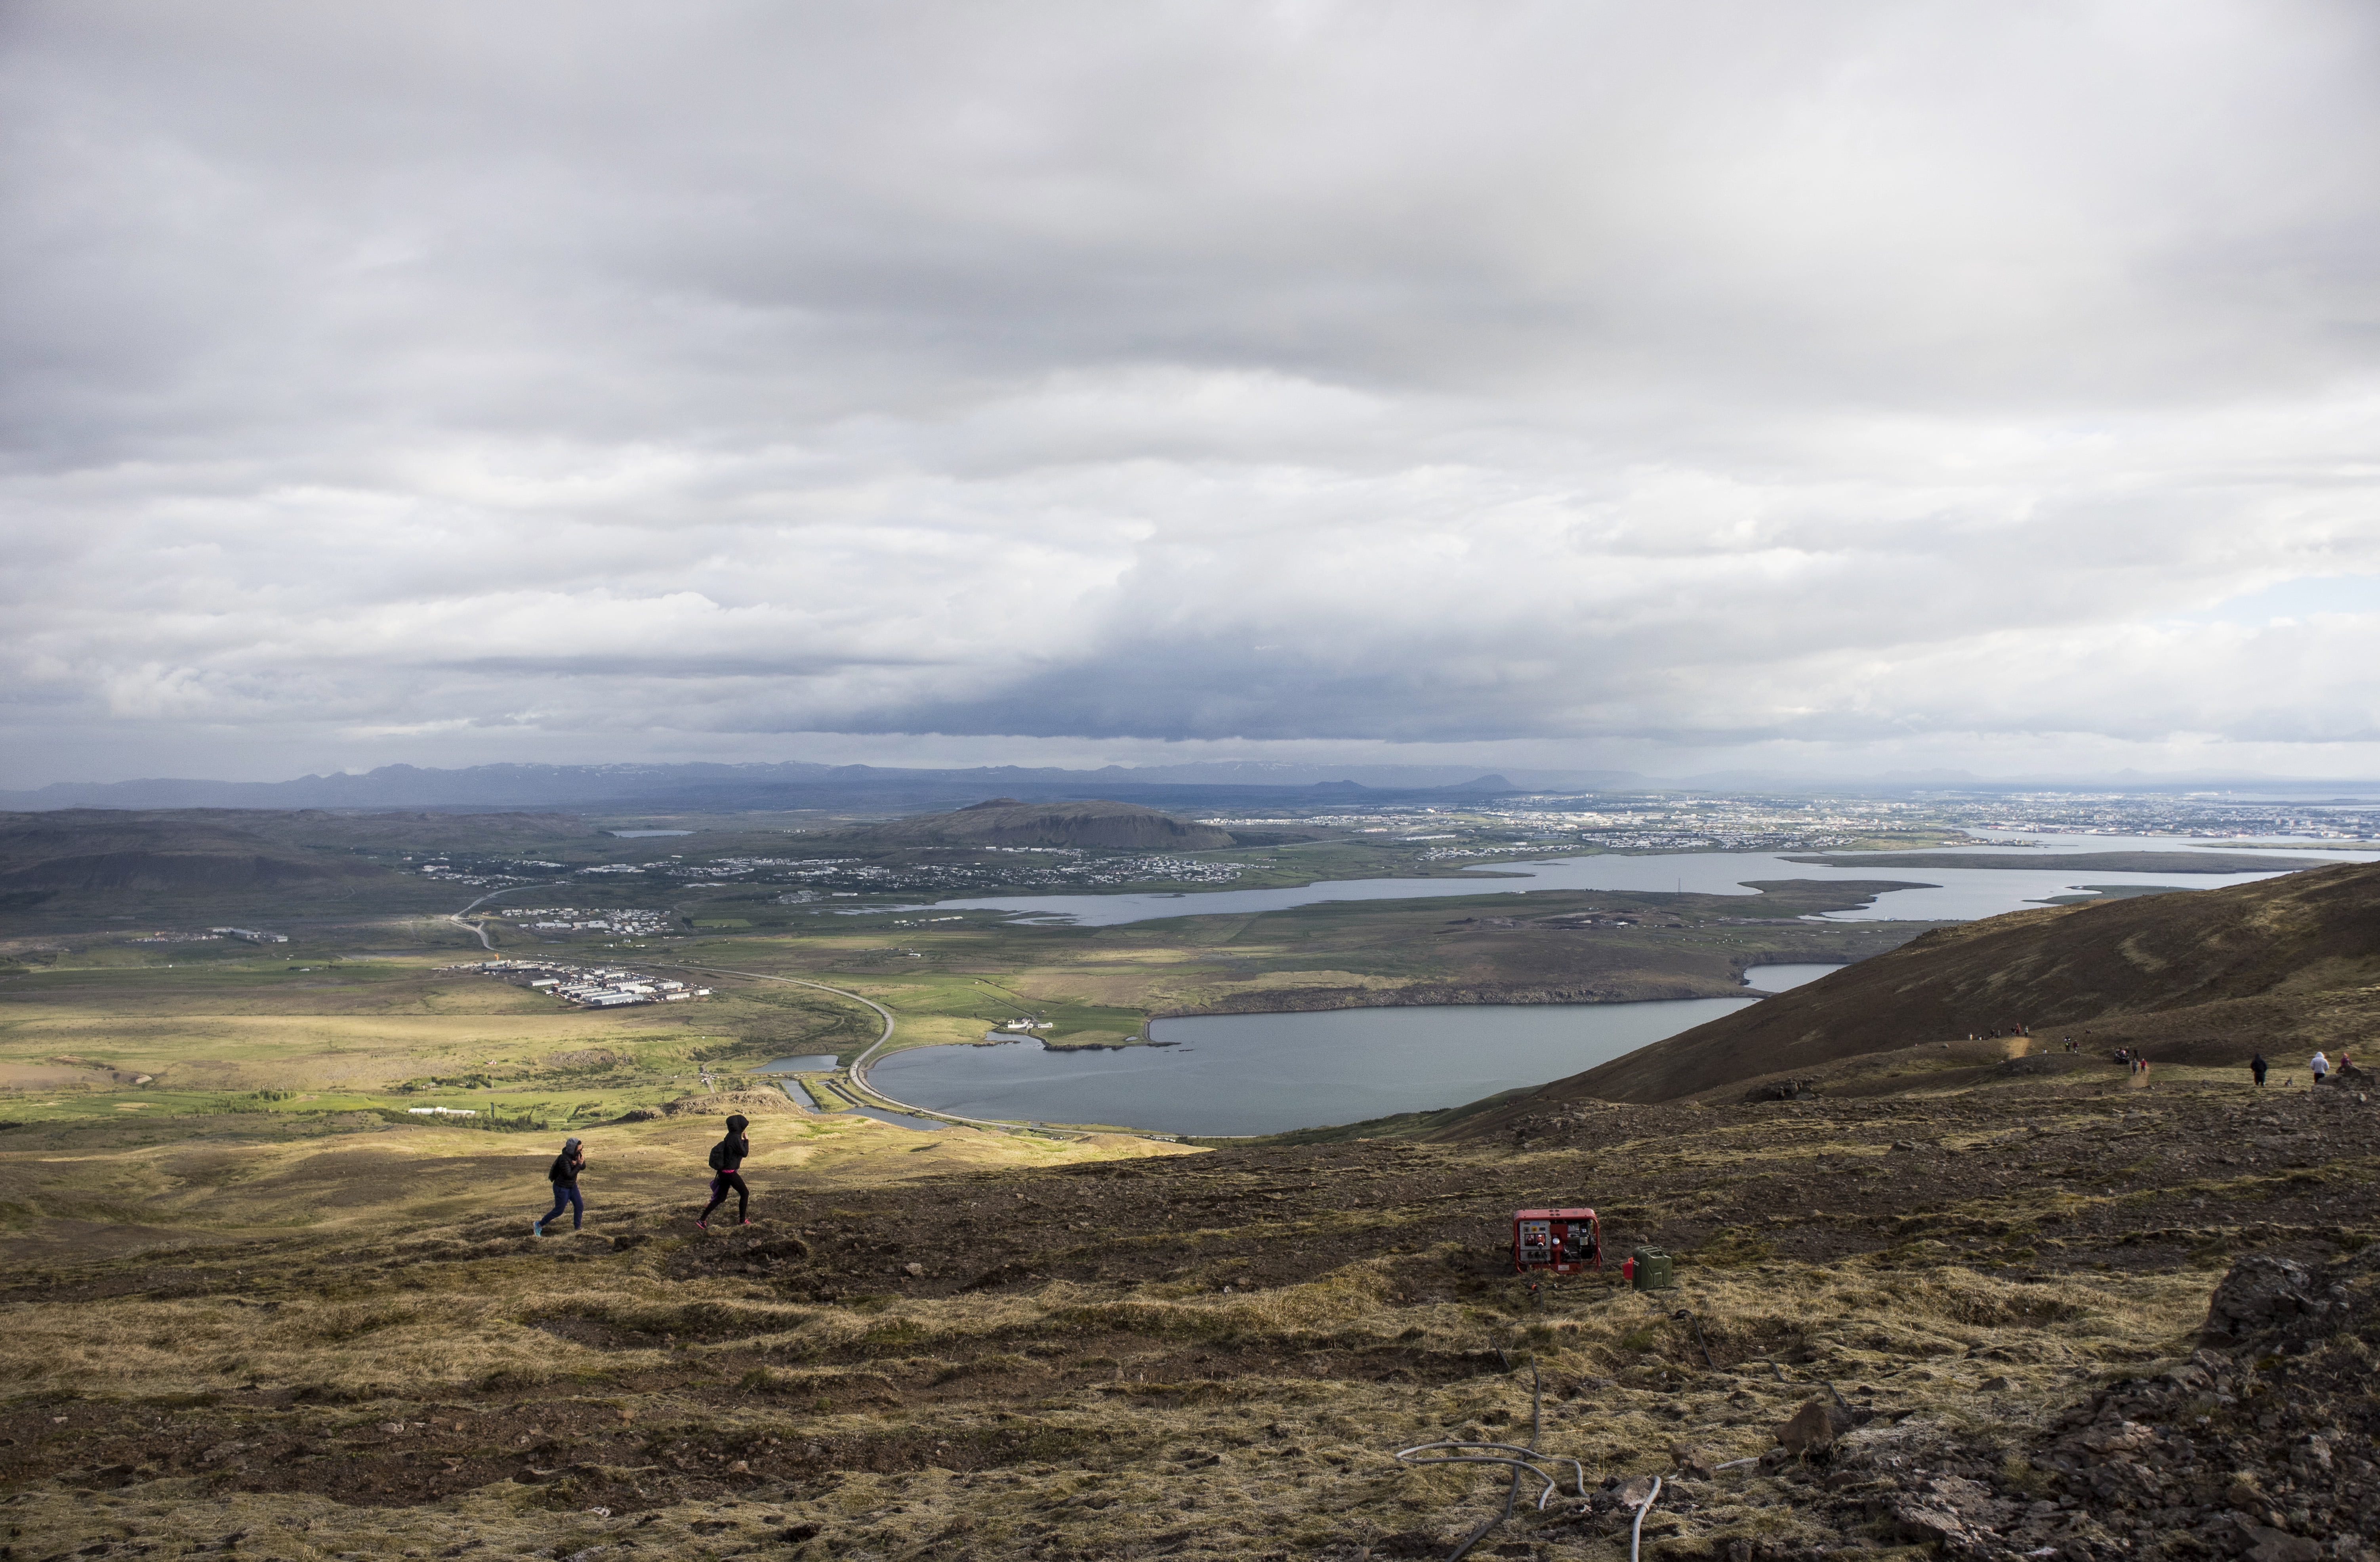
pixel 206 1182
pixel 1273 1437
pixel 1125 1404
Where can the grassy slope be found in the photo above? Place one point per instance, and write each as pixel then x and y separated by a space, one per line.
pixel 248 1025
pixel 1206 1355
pixel 301 1331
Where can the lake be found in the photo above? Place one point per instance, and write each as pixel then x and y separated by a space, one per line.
pixel 1778 978
pixel 1935 894
pixel 1267 1073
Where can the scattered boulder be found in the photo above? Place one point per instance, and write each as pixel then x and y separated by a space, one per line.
pixel 728 1103
pixel 1814 1426
pixel 2124 1437
pixel 1784 1090
pixel 1692 1461
pixel 1962 1517
pixel 2268 1544
pixel 2263 1293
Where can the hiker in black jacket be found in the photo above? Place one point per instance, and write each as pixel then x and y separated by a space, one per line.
pixel 727 1173
pixel 564 1175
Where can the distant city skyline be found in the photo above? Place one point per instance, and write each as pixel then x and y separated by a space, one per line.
pixel 737 788
pixel 1831 393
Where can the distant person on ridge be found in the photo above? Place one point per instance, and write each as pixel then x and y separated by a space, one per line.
pixel 2321 1067
pixel 2257 1066
pixel 564 1175
pixel 727 1173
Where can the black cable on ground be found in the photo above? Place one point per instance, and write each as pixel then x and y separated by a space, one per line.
pixel 1687 1313
pixel 1513 1491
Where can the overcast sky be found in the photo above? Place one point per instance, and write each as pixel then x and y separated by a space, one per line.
pixel 1832 387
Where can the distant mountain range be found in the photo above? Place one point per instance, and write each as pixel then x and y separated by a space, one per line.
pixel 1006 822
pixel 1224 784
pixel 735 787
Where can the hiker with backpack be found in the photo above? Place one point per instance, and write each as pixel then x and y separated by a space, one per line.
pixel 564 1175
pixel 727 1174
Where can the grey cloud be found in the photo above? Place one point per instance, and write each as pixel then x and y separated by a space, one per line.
pixel 1717 374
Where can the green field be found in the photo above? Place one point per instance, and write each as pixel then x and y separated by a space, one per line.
pixel 131 1047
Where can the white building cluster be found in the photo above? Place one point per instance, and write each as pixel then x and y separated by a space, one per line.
pixel 447 872
pixel 575 918
pixel 251 934
pixel 736 867
pixel 589 986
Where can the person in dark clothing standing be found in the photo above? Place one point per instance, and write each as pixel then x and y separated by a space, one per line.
pixel 727 1174
pixel 564 1175
pixel 2257 1066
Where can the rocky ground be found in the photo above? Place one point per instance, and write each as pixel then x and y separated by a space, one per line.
pixel 2022 1320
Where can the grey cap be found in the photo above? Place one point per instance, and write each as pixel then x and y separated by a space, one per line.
pixel 569 1143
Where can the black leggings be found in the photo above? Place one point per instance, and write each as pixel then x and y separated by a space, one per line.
pixel 718 1187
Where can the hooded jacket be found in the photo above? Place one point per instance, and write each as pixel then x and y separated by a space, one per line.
pixel 566 1166
pixel 735 1147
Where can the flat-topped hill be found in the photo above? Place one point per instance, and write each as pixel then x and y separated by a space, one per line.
pixel 1092 822
pixel 92 849
pixel 2204 977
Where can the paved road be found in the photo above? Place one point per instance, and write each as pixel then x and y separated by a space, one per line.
pixel 456 918
pixel 858 1070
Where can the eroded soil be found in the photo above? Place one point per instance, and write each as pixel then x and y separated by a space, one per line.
pixel 1994 1301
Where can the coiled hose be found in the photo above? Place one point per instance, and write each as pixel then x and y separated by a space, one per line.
pixel 1522 1459
pixel 1513 1454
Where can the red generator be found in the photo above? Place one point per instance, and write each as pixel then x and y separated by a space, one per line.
pixel 1561 1240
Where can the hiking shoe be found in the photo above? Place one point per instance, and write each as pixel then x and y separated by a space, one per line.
pixel 743 1223
pixel 537 1228
pixel 702 1225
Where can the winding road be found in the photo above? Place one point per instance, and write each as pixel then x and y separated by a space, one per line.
pixel 456 917
pixel 858 1070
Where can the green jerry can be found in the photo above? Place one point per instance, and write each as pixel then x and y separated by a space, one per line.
pixel 1648 1269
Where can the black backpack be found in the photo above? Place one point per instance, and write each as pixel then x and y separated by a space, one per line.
pixel 719 1156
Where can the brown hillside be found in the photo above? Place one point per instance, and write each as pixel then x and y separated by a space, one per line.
pixel 2199 977
pixel 1095 823
pixel 105 849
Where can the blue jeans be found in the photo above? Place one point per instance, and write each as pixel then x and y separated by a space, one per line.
pixel 568 1192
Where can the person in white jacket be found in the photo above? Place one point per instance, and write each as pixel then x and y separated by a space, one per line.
pixel 2321 1067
